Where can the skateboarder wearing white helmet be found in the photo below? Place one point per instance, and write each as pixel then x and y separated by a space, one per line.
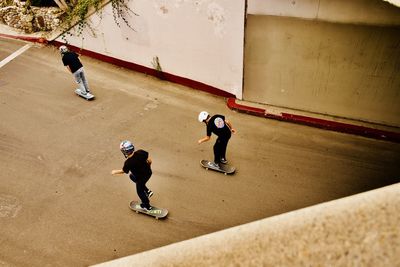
pixel 71 60
pixel 221 127
pixel 138 166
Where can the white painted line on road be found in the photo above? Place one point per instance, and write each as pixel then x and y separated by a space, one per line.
pixel 14 55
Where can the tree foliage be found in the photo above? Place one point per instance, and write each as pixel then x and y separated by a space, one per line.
pixel 77 11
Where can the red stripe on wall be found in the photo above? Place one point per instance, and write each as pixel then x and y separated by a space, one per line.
pixel 149 71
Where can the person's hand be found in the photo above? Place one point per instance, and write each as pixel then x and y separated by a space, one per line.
pixel 113 172
pixel 202 140
pixel 233 131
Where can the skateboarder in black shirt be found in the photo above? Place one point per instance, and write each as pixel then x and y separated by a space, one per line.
pixel 221 127
pixel 137 165
pixel 71 60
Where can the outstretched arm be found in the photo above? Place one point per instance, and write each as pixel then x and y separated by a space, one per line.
pixel 230 126
pixel 205 139
pixel 113 172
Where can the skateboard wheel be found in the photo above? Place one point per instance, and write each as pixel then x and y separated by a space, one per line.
pixel 136 211
pixel 156 218
pixel 225 173
pixel 206 169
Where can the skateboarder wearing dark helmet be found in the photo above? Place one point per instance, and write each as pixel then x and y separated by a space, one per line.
pixel 138 166
pixel 221 127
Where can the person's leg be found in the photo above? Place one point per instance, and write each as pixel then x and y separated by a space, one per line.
pixel 147 190
pixel 224 145
pixel 84 80
pixel 78 80
pixel 132 177
pixel 140 189
pixel 217 151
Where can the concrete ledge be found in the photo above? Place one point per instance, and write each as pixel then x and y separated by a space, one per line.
pixel 361 230
pixel 8 32
pixel 344 127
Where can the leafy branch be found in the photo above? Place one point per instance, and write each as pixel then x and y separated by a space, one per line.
pixel 77 11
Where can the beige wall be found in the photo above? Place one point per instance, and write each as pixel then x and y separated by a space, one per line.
pixel 343 11
pixel 344 70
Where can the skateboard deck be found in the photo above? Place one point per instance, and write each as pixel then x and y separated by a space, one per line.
pixel 157 213
pixel 88 96
pixel 224 168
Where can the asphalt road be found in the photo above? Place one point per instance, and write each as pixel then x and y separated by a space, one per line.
pixel 59 205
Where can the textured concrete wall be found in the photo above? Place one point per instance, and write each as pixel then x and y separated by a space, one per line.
pixel 361 230
pixel 375 12
pixel 344 70
pixel 197 40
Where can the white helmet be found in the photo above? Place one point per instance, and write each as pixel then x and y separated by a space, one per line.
pixel 203 116
pixel 63 49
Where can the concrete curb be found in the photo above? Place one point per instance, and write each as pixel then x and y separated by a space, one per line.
pixel 316 122
pixel 39 40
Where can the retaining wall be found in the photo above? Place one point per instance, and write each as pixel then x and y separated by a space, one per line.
pixel 337 58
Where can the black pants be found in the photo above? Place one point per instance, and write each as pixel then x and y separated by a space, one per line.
pixel 141 189
pixel 220 148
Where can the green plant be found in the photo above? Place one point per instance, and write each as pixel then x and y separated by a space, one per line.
pixel 5 3
pixel 78 10
pixel 156 64
pixel 157 67
pixel 120 11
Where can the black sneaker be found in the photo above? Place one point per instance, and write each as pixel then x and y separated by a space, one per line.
pixel 148 208
pixel 149 193
pixel 224 161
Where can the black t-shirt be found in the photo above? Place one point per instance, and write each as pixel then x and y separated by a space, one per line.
pixel 217 125
pixel 71 59
pixel 138 165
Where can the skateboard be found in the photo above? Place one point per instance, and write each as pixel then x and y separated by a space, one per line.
pixel 88 96
pixel 157 213
pixel 224 168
